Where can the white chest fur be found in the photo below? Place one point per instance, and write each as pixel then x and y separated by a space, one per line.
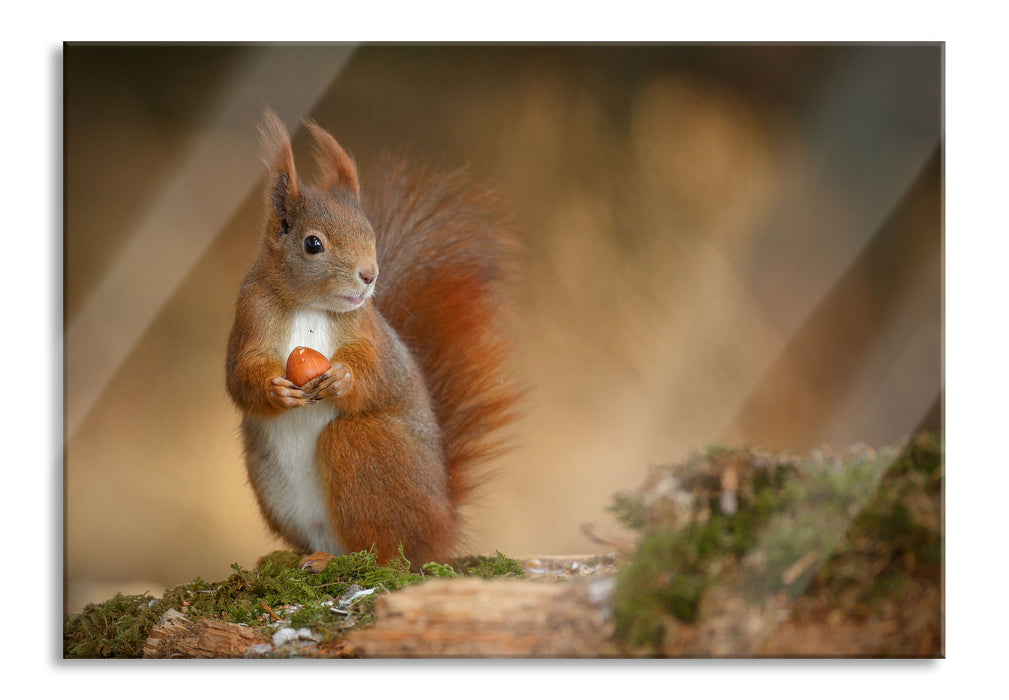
pixel 289 478
pixel 312 329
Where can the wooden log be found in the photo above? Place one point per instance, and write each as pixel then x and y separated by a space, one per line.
pixel 467 618
pixel 177 637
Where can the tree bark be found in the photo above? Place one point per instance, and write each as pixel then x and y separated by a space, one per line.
pixel 464 618
pixel 180 638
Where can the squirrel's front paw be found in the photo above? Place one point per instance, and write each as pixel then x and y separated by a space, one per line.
pixel 336 381
pixel 283 393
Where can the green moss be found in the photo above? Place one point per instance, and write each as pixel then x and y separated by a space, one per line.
pixel 489 567
pixel 363 569
pixel 791 526
pixel 119 627
pixel 896 536
pixel 115 628
pixel 659 588
pixel 438 570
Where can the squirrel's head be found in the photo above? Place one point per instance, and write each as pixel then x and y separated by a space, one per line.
pixel 319 243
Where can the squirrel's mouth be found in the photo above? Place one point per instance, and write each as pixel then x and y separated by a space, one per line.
pixel 349 302
pixel 355 300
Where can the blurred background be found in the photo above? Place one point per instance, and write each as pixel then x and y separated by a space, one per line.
pixel 732 244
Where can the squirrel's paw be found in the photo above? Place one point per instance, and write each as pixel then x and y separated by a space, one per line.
pixel 315 562
pixel 335 381
pixel 285 394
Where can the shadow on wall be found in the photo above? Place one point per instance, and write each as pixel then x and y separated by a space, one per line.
pixel 726 244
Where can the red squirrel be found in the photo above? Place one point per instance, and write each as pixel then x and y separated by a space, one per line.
pixel 406 285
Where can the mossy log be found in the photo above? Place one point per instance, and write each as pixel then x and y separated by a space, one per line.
pixel 736 553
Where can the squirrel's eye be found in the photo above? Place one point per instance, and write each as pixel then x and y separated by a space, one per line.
pixel 313 245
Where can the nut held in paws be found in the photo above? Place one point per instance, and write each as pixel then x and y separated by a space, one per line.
pixel 305 364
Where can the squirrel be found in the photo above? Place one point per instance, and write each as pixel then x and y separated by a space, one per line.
pixel 407 286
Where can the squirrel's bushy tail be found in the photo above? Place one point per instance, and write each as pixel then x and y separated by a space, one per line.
pixel 448 272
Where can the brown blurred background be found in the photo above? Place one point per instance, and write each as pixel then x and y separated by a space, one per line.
pixel 733 244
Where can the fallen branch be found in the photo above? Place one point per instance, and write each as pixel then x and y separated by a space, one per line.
pixel 489 618
pixel 177 637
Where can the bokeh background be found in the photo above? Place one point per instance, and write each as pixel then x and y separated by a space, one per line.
pixel 733 244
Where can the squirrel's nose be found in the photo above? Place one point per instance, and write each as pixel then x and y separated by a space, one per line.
pixel 368 274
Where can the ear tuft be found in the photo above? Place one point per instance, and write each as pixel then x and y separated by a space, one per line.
pixel 282 187
pixel 336 166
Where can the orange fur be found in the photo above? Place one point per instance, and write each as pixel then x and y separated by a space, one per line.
pixel 420 385
pixel 336 167
pixel 450 266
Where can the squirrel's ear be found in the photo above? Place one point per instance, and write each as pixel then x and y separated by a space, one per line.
pixel 336 167
pixel 282 187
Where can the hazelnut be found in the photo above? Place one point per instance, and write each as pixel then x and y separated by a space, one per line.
pixel 305 364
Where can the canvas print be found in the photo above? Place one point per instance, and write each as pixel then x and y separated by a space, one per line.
pixel 503 350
